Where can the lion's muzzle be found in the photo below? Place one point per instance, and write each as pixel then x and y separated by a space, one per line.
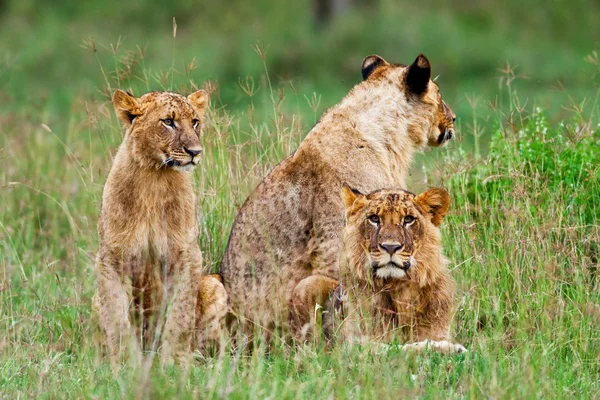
pixel 446 135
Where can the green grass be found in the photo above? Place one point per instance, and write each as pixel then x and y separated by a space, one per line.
pixel 523 234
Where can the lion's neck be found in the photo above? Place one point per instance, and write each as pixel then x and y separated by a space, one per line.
pixel 148 183
pixel 146 208
pixel 382 118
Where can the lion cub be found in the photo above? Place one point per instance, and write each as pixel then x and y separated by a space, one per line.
pixel 148 259
pixel 393 279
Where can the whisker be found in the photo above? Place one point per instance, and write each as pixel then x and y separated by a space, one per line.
pixel 165 162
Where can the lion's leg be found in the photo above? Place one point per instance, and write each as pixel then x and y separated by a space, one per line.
pixel 99 336
pixel 441 346
pixel 324 253
pixel 432 323
pixel 150 303
pixel 333 314
pixel 307 294
pixel 181 297
pixel 434 316
pixel 111 303
pixel 211 310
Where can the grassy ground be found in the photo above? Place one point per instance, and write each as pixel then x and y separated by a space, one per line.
pixel 523 234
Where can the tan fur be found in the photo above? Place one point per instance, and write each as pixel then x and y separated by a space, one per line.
pixel 148 259
pixel 394 282
pixel 211 310
pixel 288 229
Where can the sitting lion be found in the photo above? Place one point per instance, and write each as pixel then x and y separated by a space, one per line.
pixel 394 282
pixel 283 252
pixel 148 260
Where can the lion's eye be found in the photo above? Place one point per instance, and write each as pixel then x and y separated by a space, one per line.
pixel 195 122
pixel 408 219
pixel 374 219
pixel 169 122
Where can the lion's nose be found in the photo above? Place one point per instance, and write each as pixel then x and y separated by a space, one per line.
pixel 193 152
pixel 391 248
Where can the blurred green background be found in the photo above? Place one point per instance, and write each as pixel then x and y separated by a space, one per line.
pixel 310 46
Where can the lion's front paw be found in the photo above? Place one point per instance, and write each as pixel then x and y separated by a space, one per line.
pixel 442 346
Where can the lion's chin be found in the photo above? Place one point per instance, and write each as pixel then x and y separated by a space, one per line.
pixel 390 271
pixel 185 168
pixel 177 165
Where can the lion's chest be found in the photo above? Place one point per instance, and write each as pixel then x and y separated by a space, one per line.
pixel 149 235
pixel 149 225
pixel 405 302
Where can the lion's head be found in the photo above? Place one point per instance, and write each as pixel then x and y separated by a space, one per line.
pixel 163 128
pixel 393 234
pixel 427 109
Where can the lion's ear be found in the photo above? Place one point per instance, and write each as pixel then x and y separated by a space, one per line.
pixel 435 204
pixel 418 75
pixel 351 198
pixel 370 64
pixel 126 106
pixel 199 100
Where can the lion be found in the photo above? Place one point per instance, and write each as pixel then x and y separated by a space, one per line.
pixel 394 280
pixel 282 257
pixel 148 258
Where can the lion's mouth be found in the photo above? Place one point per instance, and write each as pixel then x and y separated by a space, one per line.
pixel 392 264
pixel 447 135
pixel 391 270
pixel 177 163
pixel 173 163
pixel 393 267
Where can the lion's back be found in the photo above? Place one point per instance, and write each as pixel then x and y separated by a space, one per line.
pixel 271 228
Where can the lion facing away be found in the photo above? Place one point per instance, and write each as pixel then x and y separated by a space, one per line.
pixel 148 258
pixel 394 282
pixel 283 250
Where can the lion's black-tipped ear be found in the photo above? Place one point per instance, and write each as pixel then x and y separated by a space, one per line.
pixel 370 64
pixel 126 106
pixel 418 75
pixel 435 204
pixel 349 196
